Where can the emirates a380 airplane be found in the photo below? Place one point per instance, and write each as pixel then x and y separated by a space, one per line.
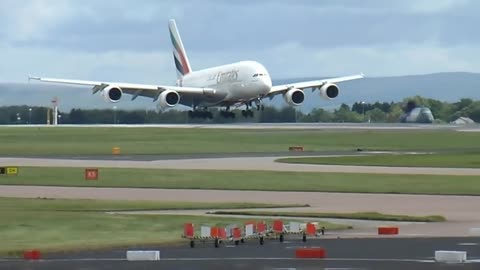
pixel 239 84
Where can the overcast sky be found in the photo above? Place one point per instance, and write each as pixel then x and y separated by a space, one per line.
pixel 123 40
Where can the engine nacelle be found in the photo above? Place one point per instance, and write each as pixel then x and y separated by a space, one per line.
pixel 112 94
pixel 168 99
pixel 294 97
pixel 329 91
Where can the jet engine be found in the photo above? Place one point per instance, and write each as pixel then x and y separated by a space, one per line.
pixel 112 94
pixel 329 91
pixel 294 97
pixel 168 98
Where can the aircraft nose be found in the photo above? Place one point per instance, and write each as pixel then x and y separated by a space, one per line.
pixel 267 82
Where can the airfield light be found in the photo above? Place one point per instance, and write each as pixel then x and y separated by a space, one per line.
pixel 114 114
pixel 363 110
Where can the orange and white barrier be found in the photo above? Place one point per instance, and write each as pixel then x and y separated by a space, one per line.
pixel 251 230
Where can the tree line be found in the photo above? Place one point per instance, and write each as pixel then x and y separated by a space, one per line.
pixel 378 112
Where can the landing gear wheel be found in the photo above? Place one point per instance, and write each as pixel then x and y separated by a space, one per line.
pixel 237 242
pixel 192 243
pixel 217 243
pixel 242 240
pixel 261 241
pixel 304 238
pixel 281 238
pixel 209 115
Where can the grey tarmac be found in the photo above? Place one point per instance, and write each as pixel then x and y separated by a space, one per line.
pixel 392 253
pixel 231 163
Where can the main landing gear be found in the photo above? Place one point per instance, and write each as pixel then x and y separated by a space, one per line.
pixel 247 113
pixel 200 114
pixel 227 114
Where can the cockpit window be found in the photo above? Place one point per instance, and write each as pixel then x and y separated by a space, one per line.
pixel 255 75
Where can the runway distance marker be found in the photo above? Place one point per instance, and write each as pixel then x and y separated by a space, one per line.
pixel 9 171
pixel 12 170
pixel 91 174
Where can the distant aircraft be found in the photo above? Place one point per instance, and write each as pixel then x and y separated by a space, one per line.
pixel 232 85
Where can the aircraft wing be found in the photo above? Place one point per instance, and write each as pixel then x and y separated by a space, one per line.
pixel 278 89
pixel 145 90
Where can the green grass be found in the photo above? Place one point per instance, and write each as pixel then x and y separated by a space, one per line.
pixel 99 141
pixel 64 225
pixel 85 205
pixel 452 160
pixel 359 215
pixel 250 180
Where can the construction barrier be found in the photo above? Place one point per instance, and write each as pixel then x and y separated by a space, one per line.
pixel 450 256
pixel 32 255
pixel 310 253
pixel 251 230
pixel 143 255
pixel 189 230
pixel 388 230
pixel 311 229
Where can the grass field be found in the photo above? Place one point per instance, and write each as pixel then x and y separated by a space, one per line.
pixel 99 141
pixel 359 215
pixel 60 225
pixel 451 160
pixel 249 180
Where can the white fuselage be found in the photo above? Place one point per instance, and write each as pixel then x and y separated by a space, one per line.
pixel 234 83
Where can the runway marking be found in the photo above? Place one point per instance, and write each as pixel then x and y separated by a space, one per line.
pixel 243 259
pixel 467 244
pixel 344 268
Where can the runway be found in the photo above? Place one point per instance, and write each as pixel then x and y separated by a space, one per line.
pixel 388 253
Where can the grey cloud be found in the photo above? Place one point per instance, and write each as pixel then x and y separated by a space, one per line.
pixel 250 25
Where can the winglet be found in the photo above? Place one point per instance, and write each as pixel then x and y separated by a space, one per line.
pixel 30 77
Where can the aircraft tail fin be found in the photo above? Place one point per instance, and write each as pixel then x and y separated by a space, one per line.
pixel 179 55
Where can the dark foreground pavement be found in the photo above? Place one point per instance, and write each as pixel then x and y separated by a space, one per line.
pixel 385 253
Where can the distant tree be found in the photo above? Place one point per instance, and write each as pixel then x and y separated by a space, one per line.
pixel 344 114
pixel 377 115
pixel 77 116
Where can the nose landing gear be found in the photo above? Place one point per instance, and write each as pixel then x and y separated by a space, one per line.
pixel 259 105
